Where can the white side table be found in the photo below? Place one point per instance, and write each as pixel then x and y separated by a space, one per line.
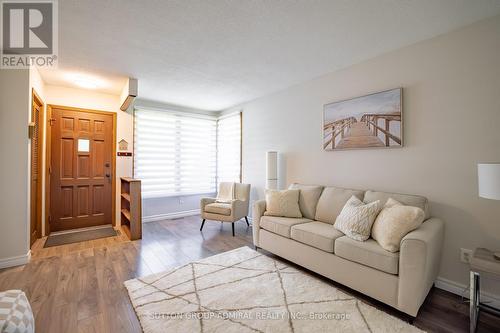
pixel 482 262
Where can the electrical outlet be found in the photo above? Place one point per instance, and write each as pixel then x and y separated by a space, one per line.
pixel 465 255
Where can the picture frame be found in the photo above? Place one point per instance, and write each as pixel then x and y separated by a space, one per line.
pixel 366 122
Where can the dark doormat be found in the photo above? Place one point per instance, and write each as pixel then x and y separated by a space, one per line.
pixel 79 236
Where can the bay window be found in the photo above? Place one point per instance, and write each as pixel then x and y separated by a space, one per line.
pixel 180 153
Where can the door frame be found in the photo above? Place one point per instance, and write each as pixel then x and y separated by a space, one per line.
pixel 35 98
pixel 48 156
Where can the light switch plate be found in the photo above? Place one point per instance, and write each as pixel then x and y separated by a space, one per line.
pixel 31 130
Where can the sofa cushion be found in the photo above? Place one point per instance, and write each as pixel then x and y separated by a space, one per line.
pixel 316 234
pixel 331 202
pixel 405 199
pixel 280 225
pixel 368 253
pixel 218 208
pixel 308 198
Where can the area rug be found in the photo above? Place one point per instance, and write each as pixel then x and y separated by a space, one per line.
pixel 245 291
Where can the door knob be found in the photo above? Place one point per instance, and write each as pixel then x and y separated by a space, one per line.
pixel 108 175
pixel 107 165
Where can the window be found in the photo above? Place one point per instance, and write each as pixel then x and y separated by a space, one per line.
pixel 83 145
pixel 229 148
pixel 175 153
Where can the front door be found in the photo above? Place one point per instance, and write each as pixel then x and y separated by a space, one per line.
pixel 81 169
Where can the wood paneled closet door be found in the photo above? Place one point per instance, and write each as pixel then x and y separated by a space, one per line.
pixel 36 168
pixel 81 169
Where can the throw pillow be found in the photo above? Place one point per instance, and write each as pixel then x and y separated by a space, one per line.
pixel 283 203
pixel 394 222
pixel 308 198
pixel 356 218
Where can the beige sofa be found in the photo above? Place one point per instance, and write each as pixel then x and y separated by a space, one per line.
pixel 401 280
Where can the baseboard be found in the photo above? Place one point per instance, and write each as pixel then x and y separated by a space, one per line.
pixel 463 290
pixel 168 216
pixel 15 261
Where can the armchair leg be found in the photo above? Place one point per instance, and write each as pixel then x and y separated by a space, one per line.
pixel 232 225
pixel 202 224
pixel 246 220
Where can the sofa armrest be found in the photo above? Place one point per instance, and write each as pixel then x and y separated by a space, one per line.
pixel 419 260
pixel 204 202
pixel 258 209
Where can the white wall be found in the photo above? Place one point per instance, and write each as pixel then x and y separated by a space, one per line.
pixel 14 166
pixel 36 83
pixel 154 209
pixel 451 122
pixel 88 99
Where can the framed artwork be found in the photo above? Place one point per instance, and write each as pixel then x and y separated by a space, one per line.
pixel 371 121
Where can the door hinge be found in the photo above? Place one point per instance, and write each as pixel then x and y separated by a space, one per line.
pixel 50 170
pixel 52 121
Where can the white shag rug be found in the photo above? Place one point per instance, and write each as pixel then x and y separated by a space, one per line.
pixel 245 291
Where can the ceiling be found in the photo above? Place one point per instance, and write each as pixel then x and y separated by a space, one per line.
pixel 214 54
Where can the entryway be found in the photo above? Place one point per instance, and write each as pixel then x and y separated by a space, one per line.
pixel 81 168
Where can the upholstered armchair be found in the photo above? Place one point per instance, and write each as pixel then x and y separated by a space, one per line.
pixel 231 204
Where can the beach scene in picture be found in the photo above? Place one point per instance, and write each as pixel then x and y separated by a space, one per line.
pixel 371 121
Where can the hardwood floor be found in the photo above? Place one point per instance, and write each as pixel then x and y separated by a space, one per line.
pixel 79 287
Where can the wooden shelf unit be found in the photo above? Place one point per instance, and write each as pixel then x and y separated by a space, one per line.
pixel 131 208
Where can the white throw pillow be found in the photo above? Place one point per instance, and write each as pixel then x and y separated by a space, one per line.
pixel 283 203
pixel 356 218
pixel 394 222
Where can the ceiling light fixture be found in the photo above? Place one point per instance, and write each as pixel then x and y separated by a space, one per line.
pixel 85 81
pixel 85 84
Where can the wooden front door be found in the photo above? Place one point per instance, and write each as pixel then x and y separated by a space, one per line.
pixel 81 179
pixel 36 168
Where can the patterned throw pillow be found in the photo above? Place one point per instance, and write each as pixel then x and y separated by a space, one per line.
pixel 15 313
pixel 394 222
pixel 283 203
pixel 356 218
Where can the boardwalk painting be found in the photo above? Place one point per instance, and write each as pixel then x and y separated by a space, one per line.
pixel 371 121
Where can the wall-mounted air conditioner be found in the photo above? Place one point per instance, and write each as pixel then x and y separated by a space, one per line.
pixel 129 92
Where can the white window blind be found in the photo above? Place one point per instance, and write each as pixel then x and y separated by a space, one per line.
pixel 229 148
pixel 175 154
